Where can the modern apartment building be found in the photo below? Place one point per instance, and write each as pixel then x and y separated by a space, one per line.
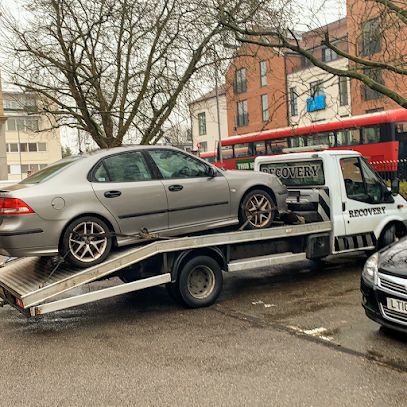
pixel 204 119
pixel 31 142
pixel 315 95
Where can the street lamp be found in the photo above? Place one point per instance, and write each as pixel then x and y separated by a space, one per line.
pixel 218 115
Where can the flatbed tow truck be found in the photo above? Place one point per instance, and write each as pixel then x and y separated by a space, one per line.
pixel 191 267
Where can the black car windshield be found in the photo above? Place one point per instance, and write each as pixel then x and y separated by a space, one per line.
pixel 49 171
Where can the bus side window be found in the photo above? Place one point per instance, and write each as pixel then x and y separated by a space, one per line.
pixel 347 137
pixel 371 135
pixel 401 131
pixel 259 147
pixel 296 141
pixel 276 146
pixel 243 150
pixel 227 152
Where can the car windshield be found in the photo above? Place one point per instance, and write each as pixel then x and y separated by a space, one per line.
pixel 49 171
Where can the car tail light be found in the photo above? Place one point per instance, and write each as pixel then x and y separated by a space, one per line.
pixel 14 206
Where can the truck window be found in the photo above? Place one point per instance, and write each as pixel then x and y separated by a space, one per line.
pixel 298 173
pixel 361 182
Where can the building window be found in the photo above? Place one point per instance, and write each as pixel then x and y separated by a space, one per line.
pixel 265 108
pixel 343 91
pixel 263 73
pixel 293 102
pixel 368 93
pixel 316 88
pixel 14 169
pixel 26 147
pixel 203 146
pixel 202 123
pixel 371 37
pixel 22 124
pixel 242 118
pixel 328 54
pixel 240 81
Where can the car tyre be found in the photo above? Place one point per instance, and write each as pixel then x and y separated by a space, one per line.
pixel 199 282
pixel 85 251
pixel 257 210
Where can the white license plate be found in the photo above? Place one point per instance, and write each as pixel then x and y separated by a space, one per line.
pixel 397 305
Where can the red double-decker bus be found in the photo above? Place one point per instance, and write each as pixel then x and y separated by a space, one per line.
pixel 380 137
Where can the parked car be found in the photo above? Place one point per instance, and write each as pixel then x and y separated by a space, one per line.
pixel 384 286
pixel 81 206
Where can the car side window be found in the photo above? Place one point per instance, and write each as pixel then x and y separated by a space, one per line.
pixel 173 164
pixel 124 167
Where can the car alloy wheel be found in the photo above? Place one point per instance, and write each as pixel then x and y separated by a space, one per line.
pixel 85 244
pixel 86 241
pixel 259 211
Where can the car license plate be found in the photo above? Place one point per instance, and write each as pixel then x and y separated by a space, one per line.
pixel 397 305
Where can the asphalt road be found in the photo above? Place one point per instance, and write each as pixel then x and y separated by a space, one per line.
pixel 289 336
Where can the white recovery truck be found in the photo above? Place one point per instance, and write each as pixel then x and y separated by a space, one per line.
pixel 344 203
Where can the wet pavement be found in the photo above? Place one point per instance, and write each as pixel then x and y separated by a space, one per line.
pixel 292 335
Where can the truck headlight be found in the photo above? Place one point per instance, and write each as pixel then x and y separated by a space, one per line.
pixel 371 267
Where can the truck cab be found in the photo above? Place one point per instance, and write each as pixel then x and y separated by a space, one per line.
pixel 340 186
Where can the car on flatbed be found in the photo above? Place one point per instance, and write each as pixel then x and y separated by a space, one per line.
pixel 83 205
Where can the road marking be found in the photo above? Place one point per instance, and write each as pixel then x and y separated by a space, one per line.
pixel 316 332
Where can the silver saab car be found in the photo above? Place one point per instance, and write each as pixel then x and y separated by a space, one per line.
pixel 83 206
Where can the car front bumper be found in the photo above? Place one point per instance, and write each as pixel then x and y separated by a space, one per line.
pixel 372 298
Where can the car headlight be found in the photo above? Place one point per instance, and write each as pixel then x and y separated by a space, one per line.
pixel 371 267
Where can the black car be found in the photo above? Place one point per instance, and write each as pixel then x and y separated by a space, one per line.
pixel 384 286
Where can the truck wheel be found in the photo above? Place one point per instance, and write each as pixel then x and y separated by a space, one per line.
pixel 257 210
pixel 200 282
pixel 388 236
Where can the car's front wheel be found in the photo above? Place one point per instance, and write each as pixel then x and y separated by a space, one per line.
pixel 257 210
pixel 86 242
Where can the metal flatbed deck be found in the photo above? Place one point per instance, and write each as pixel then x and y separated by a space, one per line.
pixel 34 281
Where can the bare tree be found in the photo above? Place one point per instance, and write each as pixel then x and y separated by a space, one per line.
pixel 376 49
pixel 110 67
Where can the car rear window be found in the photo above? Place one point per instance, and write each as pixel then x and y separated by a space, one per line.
pixel 298 173
pixel 49 171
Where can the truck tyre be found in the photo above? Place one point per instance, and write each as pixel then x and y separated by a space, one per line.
pixel 200 282
pixel 257 210
pixel 388 236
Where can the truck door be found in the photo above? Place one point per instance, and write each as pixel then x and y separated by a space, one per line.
pixel 365 201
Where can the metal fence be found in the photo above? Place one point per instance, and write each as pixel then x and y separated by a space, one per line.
pixel 389 170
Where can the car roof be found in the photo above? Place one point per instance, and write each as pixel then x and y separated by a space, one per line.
pixel 127 147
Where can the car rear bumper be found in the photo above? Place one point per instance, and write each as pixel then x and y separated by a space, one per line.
pixel 27 235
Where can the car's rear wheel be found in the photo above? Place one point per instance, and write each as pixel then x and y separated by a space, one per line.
pixel 257 210
pixel 86 242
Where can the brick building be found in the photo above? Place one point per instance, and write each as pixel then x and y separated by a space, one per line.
pixel 256 90
pixel 376 34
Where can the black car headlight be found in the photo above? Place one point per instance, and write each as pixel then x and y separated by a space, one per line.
pixel 370 269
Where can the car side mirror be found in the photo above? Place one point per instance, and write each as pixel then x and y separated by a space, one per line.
pixel 211 172
pixel 395 186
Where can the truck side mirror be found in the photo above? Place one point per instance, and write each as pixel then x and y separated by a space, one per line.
pixel 395 186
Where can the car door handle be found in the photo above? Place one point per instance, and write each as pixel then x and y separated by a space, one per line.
pixel 112 194
pixel 175 188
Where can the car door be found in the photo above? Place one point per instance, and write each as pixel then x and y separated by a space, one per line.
pixel 365 201
pixel 193 196
pixel 125 185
